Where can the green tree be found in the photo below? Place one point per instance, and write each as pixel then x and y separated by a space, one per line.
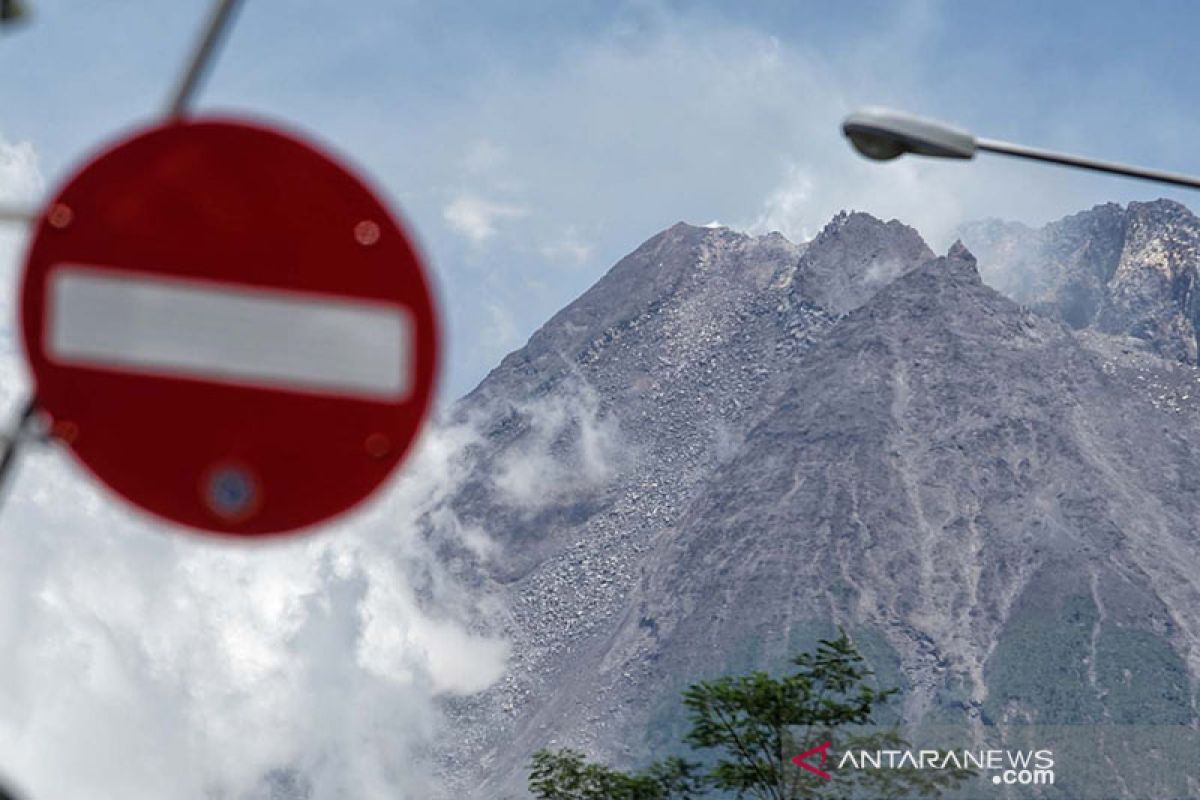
pixel 565 775
pixel 752 726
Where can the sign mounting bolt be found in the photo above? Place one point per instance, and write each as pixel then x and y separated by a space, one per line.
pixel 60 216
pixel 231 493
pixel 367 233
pixel 378 445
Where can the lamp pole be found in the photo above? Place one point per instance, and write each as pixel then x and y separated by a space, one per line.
pixel 883 134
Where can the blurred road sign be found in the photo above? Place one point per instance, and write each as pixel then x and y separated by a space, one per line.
pixel 228 328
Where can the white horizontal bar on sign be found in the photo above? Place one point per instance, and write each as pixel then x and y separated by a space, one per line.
pixel 227 334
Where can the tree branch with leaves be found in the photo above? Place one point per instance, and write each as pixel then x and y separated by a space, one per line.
pixel 752 726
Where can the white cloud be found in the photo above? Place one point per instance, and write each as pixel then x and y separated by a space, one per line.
pixel 569 248
pixel 787 207
pixel 477 218
pixel 571 448
pixel 148 663
pixel 21 186
pixel 20 180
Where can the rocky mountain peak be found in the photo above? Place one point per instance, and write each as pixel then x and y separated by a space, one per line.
pixel 686 267
pixel 1162 209
pixel 1162 237
pixel 853 257
pixel 1130 270
pixel 959 251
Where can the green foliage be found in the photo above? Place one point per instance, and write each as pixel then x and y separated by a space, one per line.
pixel 753 725
pixel 1040 662
pixel 565 775
pixel 750 720
pixel 1159 695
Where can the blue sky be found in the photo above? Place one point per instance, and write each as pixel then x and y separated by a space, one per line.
pixel 532 144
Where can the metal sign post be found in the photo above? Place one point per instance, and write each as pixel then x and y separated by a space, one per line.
pixel 11 443
pixel 218 22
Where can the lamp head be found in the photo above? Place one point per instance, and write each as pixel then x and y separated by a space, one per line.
pixel 882 134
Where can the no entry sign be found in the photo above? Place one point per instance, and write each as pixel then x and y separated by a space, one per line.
pixel 228 328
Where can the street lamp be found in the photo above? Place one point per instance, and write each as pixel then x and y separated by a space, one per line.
pixel 882 134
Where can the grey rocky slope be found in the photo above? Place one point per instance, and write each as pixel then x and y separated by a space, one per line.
pixel 731 444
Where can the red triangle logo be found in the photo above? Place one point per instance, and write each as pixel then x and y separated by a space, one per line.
pixel 802 762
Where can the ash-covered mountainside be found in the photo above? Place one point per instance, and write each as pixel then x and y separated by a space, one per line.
pixel 730 445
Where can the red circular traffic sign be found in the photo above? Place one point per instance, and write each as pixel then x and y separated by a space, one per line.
pixel 228 328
